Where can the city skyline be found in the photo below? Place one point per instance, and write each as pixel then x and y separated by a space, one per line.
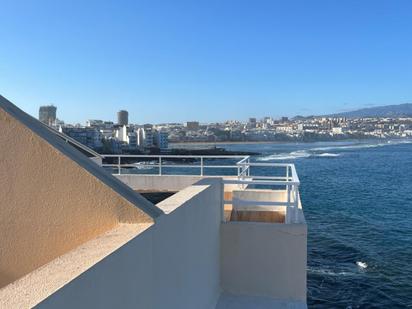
pixel 116 137
pixel 112 115
pixel 385 111
pixel 172 62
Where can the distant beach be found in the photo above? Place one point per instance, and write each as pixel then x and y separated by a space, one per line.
pixel 227 143
pixel 211 144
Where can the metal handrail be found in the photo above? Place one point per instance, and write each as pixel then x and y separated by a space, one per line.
pixel 261 182
pixel 170 165
pixel 244 174
pixel 174 156
pixel 243 166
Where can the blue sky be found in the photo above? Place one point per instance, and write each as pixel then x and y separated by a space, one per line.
pixel 167 61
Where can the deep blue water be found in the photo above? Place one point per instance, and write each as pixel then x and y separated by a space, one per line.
pixel 357 200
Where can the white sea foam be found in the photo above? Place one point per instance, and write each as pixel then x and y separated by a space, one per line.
pixel 323 151
pixel 345 147
pixel 362 265
pixel 300 154
pixel 286 156
pixel 328 272
pixel 327 154
pixel 362 145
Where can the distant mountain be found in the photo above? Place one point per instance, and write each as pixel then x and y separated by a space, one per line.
pixel 400 110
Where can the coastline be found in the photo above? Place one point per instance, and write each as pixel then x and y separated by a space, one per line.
pixel 217 145
pixel 279 142
pixel 228 143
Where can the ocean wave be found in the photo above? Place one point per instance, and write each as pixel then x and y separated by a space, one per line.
pixel 361 264
pixel 322 152
pixel 357 146
pixel 362 145
pixel 327 154
pixel 300 154
pixel 286 156
pixel 328 272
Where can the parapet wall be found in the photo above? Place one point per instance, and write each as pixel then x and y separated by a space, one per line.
pixel 173 264
pixel 171 183
pixel 264 259
pixel 49 203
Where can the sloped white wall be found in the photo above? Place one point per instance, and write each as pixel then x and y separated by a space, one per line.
pixel 173 264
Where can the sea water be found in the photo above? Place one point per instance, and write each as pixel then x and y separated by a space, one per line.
pixel 357 199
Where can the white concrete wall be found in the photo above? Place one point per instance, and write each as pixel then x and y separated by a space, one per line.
pixel 264 259
pixel 173 264
pixel 292 214
pixel 52 197
pixel 172 183
pixel 258 195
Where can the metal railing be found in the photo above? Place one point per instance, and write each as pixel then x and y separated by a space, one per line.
pixel 281 176
pixel 90 152
pixel 166 161
pixel 288 182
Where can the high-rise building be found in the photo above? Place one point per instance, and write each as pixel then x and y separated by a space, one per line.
pixel 47 114
pixel 122 118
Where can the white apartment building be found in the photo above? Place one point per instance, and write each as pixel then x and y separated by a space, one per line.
pixel 121 134
pixel 144 138
pixel 161 139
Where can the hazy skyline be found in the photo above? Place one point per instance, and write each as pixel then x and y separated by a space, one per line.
pixel 204 60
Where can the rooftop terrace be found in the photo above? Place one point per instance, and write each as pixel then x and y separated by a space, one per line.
pixel 259 192
pixel 75 232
